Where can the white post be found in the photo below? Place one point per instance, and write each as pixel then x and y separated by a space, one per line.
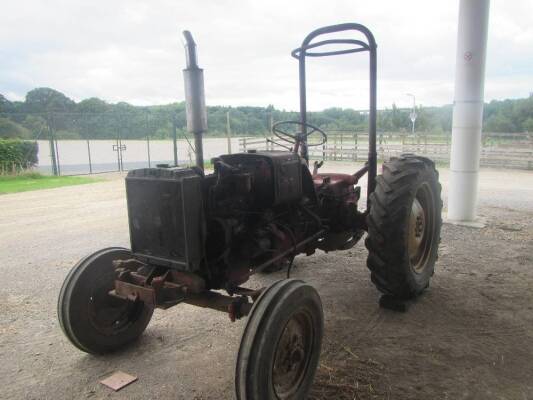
pixel 468 109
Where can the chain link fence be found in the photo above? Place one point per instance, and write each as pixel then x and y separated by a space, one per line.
pixel 97 142
pixel 90 143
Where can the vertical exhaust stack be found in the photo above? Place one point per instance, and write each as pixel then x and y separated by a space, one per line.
pixel 193 77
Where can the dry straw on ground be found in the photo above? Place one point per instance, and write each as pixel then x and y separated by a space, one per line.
pixel 343 375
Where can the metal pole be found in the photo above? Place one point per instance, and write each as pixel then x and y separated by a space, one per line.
pixel 372 122
pixel 57 158
pixel 468 109
pixel 52 145
pixel 148 151
pixel 120 153
pixel 228 132
pixel 271 132
pixel 86 128
pixel 118 156
pixel 120 143
pixel 174 141
pixel 89 154
pixel 303 104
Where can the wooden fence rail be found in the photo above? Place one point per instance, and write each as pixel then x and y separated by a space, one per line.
pixel 498 150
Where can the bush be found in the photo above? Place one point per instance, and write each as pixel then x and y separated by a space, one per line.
pixel 20 152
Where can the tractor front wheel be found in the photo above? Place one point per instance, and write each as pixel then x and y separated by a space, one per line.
pixel 404 226
pixel 92 319
pixel 280 347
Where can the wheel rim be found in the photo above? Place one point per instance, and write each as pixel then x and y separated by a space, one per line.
pixel 421 229
pixel 292 356
pixel 108 314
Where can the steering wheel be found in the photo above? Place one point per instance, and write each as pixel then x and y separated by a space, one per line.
pixel 294 138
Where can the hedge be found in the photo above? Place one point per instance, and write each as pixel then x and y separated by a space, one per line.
pixel 17 151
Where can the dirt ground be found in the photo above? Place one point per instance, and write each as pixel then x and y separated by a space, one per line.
pixel 469 337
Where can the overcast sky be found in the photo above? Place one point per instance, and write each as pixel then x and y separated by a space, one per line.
pixel 132 51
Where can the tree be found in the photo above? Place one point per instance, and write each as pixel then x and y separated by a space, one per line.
pixel 499 123
pixel 528 124
pixel 5 104
pixel 10 129
pixel 94 118
pixel 42 100
pixel 92 105
pixel 36 125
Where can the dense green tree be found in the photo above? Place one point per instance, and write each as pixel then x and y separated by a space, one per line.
pixel 96 119
pixel 528 125
pixel 43 100
pixel 5 105
pixel 10 129
pixel 499 123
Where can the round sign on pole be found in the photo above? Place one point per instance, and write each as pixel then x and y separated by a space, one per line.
pixel 413 116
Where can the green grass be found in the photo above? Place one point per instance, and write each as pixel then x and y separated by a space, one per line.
pixel 36 181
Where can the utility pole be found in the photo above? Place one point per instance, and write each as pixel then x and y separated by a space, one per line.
pixel 412 115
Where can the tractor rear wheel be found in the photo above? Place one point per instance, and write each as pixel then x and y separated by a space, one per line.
pixel 92 319
pixel 280 347
pixel 404 226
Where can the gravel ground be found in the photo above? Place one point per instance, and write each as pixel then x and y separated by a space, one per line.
pixel 469 337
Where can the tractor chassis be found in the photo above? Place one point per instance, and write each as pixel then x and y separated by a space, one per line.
pixel 164 288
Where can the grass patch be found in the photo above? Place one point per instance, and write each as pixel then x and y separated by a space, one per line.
pixel 35 181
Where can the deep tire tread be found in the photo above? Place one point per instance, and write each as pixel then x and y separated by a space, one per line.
pixel 390 206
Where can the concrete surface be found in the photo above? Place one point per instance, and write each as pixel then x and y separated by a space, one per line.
pixel 469 337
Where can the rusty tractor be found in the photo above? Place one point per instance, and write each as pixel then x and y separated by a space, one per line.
pixel 197 237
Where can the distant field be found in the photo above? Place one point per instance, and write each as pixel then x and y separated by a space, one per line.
pixel 35 181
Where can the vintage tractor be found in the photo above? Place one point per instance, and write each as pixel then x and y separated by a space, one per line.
pixel 196 238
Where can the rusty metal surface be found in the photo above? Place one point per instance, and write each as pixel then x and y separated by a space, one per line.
pixel 133 292
pixel 172 287
pixel 236 307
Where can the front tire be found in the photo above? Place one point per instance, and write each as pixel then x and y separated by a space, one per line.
pixel 280 347
pixel 93 320
pixel 404 226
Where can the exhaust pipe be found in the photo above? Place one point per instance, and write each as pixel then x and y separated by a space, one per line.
pixel 193 77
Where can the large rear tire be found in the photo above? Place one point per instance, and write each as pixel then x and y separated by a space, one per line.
pixel 280 347
pixel 404 226
pixel 93 320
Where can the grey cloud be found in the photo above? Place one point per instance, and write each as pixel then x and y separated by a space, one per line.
pixel 131 51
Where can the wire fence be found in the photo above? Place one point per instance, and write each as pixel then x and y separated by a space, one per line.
pixel 79 157
pixel 96 142
pixel 504 150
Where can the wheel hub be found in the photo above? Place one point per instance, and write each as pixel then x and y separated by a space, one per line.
pixel 292 356
pixel 420 229
pixel 110 315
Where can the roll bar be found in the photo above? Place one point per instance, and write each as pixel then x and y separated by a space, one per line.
pixel 357 46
